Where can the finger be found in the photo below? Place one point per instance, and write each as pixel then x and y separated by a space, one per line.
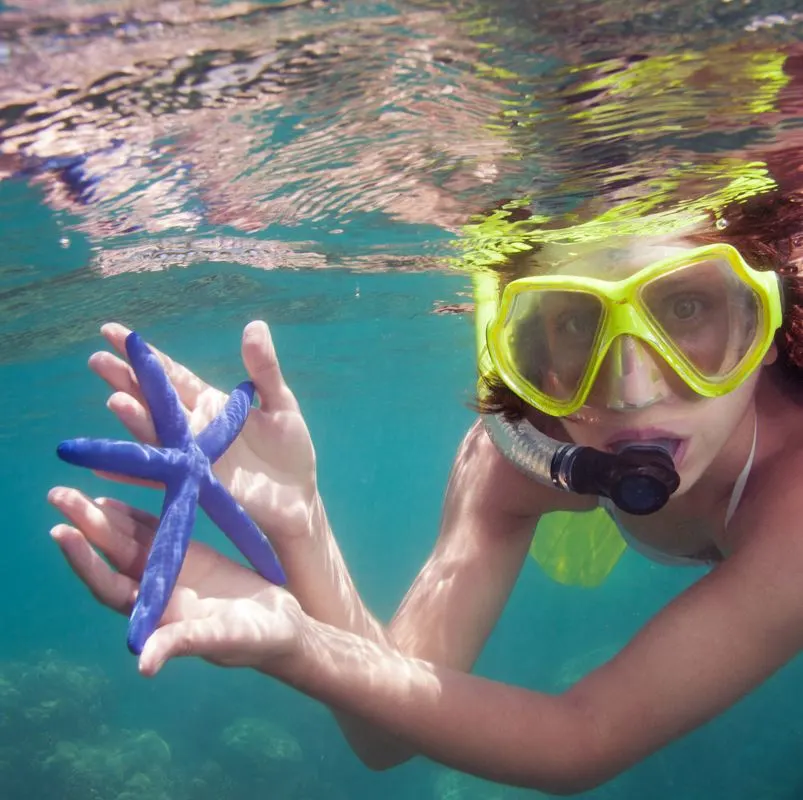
pixel 113 589
pixel 262 364
pixel 116 372
pixel 195 637
pixel 125 552
pixel 141 526
pixel 131 522
pixel 134 416
pixel 137 515
pixel 115 334
pixel 118 590
pixel 188 385
pixel 114 477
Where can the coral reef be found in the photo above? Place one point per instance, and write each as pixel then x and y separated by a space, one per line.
pixel 58 738
pixel 123 766
pixel 260 742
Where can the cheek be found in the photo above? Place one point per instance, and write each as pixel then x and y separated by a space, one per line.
pixel 725 413
pixel 708 432
pixel 712 424
pixel 588 432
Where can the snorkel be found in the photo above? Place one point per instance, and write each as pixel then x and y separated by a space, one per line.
pixel 639 479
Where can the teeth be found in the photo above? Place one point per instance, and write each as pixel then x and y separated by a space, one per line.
pixel 670 445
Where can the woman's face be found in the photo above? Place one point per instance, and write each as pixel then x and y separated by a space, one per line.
pixel 637 396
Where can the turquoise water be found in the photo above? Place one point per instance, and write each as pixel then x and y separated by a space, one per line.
pixel 383 384
pixel 349 292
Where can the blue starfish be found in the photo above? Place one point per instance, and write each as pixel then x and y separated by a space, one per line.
pixel 184 465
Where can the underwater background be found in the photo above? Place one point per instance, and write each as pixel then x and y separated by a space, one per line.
pixel 186 167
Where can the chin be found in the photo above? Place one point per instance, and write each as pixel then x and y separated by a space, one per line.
pixel 686 483
pixel 690 471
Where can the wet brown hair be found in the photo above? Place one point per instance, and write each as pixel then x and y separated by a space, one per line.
pixel 766 229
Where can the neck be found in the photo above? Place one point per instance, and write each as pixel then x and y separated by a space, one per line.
pixel 712 492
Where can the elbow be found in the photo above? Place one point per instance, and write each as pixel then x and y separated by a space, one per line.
pixel 568 782
pixel 382 762
pixel 572 779
pixel 378 750
pixel 571 785
pixel 380 756
pixel 568 779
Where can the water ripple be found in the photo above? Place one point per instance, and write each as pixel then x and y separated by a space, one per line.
pixel 363 135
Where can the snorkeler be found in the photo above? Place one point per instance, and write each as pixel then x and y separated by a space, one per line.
pixel 665 365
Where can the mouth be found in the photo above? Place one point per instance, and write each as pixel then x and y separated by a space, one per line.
pixel 647 438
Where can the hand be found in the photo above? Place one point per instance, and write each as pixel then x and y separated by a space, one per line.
pixel 219 610
pixel 270 468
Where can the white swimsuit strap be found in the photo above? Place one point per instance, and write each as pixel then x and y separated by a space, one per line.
pixel 741 481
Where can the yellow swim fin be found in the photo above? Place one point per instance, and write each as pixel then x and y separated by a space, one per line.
pixel 577 548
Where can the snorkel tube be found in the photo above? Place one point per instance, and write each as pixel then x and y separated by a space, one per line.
pixel 639 479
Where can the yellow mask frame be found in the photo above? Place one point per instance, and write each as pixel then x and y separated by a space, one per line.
pixel 624 313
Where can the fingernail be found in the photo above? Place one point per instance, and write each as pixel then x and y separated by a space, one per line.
pixel 147 671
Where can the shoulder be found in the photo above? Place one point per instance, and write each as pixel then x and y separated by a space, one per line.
pixel 772 506
pixel 769 525
pixel 484 475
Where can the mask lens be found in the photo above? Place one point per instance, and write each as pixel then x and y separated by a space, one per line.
pixel 550 337
pixel 708 314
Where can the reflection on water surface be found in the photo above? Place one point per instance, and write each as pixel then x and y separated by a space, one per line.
pixel 363 135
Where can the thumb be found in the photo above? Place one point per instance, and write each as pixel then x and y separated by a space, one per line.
pixel 185 638
pixel 262 364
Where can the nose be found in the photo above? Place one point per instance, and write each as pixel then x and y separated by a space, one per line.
pixel 630 376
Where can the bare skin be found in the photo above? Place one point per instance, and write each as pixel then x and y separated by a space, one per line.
pixel 404 687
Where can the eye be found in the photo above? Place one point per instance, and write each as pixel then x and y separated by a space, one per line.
pixel 577 325
pixel 686 307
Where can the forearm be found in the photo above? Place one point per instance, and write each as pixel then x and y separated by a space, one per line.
pixel 319 579
pixel 497 732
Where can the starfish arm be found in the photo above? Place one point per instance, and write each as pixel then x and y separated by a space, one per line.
pixel 123 458
pixel 165 407
pixel 231 518
pixel 165 558
pixel 216 437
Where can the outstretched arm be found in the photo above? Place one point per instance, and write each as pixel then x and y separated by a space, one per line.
pixel 711 646
pixel 446 617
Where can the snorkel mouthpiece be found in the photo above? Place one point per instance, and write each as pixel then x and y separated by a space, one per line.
pixel 639 479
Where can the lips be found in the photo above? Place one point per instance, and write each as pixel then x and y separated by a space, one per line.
pixel 663 439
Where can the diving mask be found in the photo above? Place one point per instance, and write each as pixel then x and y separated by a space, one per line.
pixel 706 313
